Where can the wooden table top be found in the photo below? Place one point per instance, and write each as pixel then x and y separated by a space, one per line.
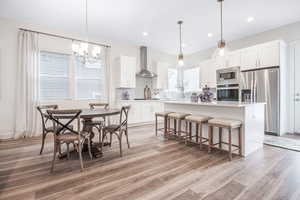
pixel 98 112
pixel 92 113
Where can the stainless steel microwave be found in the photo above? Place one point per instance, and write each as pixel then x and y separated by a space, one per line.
pixel 228 76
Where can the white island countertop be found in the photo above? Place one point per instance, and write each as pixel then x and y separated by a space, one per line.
pixel 214 103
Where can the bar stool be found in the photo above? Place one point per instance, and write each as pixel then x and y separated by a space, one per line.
pixel 178 118
pixel 164 115
pixel 199 120
pixel 230 125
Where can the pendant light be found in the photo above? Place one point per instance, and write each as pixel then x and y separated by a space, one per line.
pixel 82 50
pixel 180 56
pixel 221 43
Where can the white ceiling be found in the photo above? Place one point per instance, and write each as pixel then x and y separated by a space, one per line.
pixel 125 20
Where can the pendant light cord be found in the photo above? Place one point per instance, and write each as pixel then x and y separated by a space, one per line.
pixel 221 9
pixel 86 20
pixel 180 36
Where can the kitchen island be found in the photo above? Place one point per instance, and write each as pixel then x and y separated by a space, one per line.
pixel 252 116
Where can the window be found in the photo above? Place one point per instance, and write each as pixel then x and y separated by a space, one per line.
pixel 54 76
pixel 191 80
pixel 62 78
pixel 90 80
pixel 172 79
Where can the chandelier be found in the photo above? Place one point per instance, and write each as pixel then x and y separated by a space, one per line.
pixel 84 50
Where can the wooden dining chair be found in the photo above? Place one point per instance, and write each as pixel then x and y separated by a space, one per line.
pixel 119 129
pixel 99 123
pixel 45 129
pixel 61 120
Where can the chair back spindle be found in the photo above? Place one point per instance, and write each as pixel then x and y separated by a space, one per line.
pixel 69 115
pixel 42 109
pixel 124 116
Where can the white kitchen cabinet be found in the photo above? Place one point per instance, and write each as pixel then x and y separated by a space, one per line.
pixel 249 58
pixel 269 54
pixel 162 75
pixel 261 56
pixel 142 111
pixel 191 79
pixel 233 59
pixel 220 62
pixel 208 73
pixel 126 73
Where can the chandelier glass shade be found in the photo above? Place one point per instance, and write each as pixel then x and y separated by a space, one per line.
pixel 84 50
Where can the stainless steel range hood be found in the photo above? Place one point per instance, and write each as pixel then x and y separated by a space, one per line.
pixel 145 73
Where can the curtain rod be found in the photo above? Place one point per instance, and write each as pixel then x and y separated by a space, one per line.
pixel 63 37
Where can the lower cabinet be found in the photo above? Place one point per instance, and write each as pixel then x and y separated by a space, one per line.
pixel 142 111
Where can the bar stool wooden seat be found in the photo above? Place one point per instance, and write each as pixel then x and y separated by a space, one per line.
pixel 164 115
pixel 198 120
pixel 230 125
pixel 178 118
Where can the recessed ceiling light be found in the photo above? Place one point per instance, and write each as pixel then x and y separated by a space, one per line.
pixel 250 19
pixel 145 33
pixel 209 34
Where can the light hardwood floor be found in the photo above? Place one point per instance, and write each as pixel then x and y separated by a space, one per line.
pixel 152 169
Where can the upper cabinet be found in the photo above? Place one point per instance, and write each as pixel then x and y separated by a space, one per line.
pixel 127 72
pixel 234 59
pixel 249 58
pixel 162 75
pixel 208 73
pixel 220 62
pixel 261 56
pixel 269 54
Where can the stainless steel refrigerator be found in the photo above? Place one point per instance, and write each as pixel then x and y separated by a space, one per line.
pixel 263 85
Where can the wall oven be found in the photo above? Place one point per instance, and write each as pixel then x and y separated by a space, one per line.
pixel 228 84
pixel 229 92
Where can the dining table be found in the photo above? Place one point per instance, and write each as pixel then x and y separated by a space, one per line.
pixel 87 115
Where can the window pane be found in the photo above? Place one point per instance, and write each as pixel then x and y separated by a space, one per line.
pixel 54 64
pixel 172 79
pixel 191 80
pixel 90 80
pixel 54 76
pixel 88 88
pixel 54 88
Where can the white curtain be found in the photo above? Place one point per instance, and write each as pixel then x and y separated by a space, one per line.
pixel 27 85
pixel 108 76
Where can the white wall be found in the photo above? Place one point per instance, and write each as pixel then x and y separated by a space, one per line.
pixel 8 65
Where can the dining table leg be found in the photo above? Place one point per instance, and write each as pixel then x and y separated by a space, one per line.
pixel 95 147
